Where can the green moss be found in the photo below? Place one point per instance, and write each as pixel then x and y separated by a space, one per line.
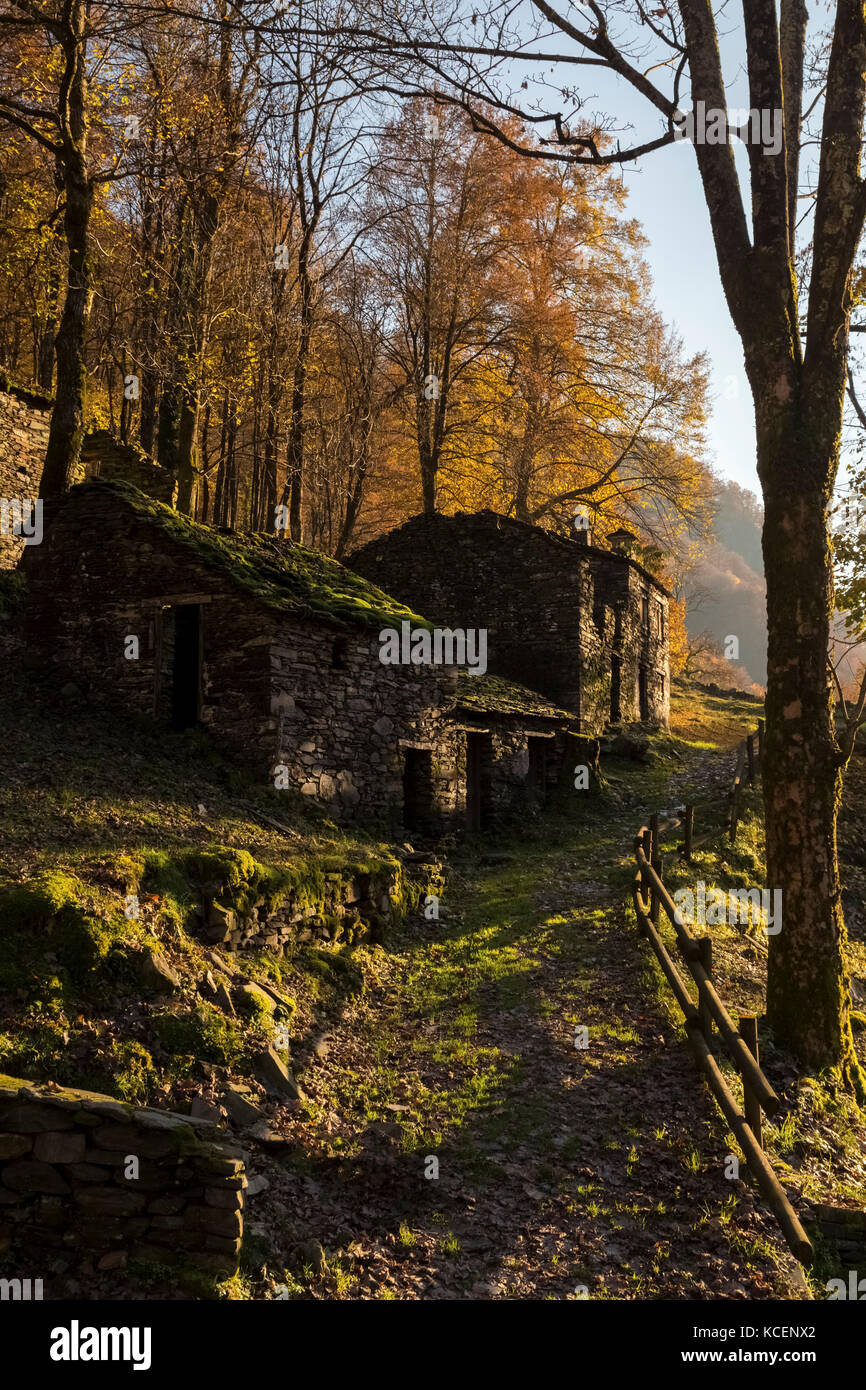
pixel 275 571
pixel 38 902
pixel 206 1035
pixel 134 1074
pixel 128 871
pixel 81 940
pixel 497 696
pixel 256 1007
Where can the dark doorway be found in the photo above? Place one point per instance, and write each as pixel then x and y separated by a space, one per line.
pixel 537 778
pixel 477 781
pixel 417 788
pixel 615 690
pixel 643 693
pixel 186 666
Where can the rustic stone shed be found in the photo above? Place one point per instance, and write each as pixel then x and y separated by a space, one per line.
pixel 276 650
pixel 519 749
pixel 587 627
pixel 272 647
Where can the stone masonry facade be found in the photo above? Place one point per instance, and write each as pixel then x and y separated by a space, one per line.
pixel 25 419
pixel 24 422
pixel 585 626
pixel 303 699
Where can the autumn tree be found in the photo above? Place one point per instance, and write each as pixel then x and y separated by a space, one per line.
pixel 45 93
pixel 435 203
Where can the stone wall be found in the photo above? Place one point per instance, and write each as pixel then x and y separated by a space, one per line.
pixel 24 422
pixel 25 419
pixel 556 612
pixel 87 1176
pixel 350 904
pixel 103 456
pixel 639 636
pixel 516 581
pixel 341 730
pixel 118 573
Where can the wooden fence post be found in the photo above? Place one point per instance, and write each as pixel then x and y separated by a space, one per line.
pixel 689 833
pixel 658 865
pixel 750 754
pixel 705 1018
pixel 654 836
pixel 736 791
pixel 751 1106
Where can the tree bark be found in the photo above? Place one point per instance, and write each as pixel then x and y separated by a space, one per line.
pixel 66 431
pixel 808 1001
pixel 293 494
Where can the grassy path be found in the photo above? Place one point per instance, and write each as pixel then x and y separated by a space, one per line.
pixel 560 1168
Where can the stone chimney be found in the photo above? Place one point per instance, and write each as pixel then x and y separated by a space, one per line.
pixel 582 526
pixel 622 541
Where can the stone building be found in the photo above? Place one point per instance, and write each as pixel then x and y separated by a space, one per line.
pixel 25 420
pixel 276 649
pixel 586 627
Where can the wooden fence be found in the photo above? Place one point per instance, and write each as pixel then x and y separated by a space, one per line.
pixel 709 1026
pixel 749 757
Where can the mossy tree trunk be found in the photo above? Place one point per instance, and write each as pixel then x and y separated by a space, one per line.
pixel 808 1000
pixel 66 432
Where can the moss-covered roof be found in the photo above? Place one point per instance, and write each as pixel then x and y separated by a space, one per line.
pixel 275 571
pixel 494 695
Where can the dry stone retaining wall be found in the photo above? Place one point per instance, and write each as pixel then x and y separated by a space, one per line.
pixel 67 1184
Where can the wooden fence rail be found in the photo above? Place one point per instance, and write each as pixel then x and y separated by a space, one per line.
pixel 708 1023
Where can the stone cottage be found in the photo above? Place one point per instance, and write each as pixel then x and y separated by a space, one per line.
pixel 585 626
pixel 276 650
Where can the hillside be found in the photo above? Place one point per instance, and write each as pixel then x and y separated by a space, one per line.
pixel 401 1038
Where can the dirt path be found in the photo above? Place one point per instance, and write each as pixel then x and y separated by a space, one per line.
pixel 560 1168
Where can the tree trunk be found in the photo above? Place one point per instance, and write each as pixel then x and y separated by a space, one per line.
pixel 67 427
pixel 187 452
pixel 808 1000
pixel 66 431
pixel 293 493
pixel 68 416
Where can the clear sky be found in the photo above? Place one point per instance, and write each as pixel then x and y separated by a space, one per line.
pixel 665 196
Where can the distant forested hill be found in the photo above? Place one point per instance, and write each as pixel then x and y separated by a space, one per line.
pixel 731 576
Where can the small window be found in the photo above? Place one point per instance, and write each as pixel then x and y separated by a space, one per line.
pixel 645 610
pixel 340 654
